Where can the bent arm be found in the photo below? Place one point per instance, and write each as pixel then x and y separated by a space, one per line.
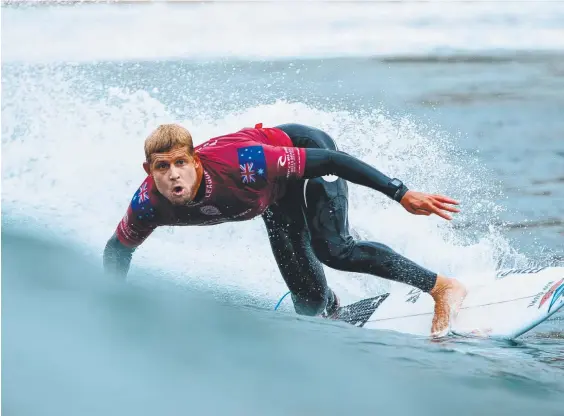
pixel 117 257
pixel 321 162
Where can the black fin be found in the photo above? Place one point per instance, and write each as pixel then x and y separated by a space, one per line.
pixel 358 313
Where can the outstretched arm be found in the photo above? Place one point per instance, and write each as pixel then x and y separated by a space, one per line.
pixel 321 162
pixel 134 228
pixel 117 257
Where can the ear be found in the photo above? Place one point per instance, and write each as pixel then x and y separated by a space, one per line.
pixel 147 167
pixel 196 161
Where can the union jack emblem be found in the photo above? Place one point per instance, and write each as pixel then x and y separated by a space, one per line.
pixel 143 194
pixel 247 173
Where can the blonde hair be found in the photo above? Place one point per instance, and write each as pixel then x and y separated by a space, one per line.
pixel 165 138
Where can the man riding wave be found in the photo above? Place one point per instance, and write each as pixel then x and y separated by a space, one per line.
pixel 282 174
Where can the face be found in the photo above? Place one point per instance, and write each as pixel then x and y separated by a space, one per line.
pixel 175 175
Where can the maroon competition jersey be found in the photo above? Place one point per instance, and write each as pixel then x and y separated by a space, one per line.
pixel 244 173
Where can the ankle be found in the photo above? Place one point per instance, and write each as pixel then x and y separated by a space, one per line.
pixel 441 284
pixel 332 303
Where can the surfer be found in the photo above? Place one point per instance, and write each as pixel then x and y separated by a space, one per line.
pixel 296 179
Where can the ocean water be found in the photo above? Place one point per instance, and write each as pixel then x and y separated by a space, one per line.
pixel 464 99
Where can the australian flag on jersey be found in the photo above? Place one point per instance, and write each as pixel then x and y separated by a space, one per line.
pixel 252 164
pixel 141 197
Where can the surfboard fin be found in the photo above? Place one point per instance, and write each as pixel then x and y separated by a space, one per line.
pixel 359 313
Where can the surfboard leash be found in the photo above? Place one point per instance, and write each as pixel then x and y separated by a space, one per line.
pixel 281 299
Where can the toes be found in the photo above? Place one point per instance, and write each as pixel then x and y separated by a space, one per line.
pixel 440 334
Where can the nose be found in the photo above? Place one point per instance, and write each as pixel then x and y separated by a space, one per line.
pixel 174 173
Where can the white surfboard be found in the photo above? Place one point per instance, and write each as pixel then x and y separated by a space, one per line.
pixel 506 308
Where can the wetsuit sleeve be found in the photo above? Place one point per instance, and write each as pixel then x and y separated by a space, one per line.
pixel 321 162
pixel 134 228
pixel 284 162
pixel 131 231
pixel 136 225
pixel 129 234
pixel 117 257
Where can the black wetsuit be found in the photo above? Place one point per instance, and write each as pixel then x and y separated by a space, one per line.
pixel 309 226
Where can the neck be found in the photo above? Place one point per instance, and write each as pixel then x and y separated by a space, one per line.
pixel 199 177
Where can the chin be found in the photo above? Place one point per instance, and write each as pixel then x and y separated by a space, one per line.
pixel 179 201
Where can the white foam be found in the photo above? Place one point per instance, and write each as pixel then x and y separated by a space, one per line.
pixel 257 30
pixel 73 165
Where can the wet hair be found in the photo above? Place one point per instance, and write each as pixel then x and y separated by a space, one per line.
pixel 167 137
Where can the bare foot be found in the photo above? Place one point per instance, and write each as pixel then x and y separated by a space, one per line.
pixel 448 295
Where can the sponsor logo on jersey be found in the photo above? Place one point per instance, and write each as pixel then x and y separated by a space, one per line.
pixel 210 210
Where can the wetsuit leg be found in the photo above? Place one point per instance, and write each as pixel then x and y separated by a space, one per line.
pixel 290 240
pixel 325 206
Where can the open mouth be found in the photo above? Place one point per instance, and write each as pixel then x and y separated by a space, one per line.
pixel 178 190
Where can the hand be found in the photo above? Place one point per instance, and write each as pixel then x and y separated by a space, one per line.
pixel 419 203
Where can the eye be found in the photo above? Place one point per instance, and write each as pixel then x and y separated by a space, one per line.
pixel 180 162
pixel 161 165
